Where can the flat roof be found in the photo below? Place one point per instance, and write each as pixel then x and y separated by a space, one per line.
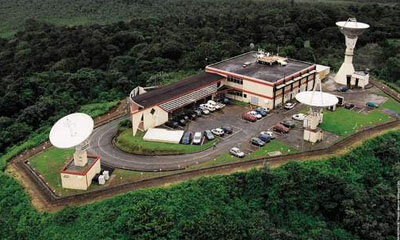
pixel 174 90
pixel 268 73
pixel 73 169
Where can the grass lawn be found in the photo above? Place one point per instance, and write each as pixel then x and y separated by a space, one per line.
pixel 135 144
pixel 274 145
pixel 49 163
pixel 392 105
pixel 344 122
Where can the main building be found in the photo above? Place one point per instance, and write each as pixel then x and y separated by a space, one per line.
pixel 254 77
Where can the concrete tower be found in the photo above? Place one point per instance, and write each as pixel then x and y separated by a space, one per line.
pixel 351 30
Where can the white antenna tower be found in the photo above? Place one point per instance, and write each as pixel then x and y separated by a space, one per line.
pixel 351 30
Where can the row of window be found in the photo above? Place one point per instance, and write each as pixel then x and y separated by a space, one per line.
pixel 235 80
pixel 237 93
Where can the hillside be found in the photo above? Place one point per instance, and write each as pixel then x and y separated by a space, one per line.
pixel 47 71
pixel 349 197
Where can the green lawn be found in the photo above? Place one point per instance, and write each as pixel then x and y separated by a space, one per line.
pixel 135 144
pixel 344 122
pixel 392 105
pixel 272 146
pixel 49 163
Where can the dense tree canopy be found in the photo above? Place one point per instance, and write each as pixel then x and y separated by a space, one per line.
pixel 349 197
pixel 50 70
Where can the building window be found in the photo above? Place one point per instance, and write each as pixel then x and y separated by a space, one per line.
pixel 235 80
pixel 152 111
pixel 236 93
pixel 245 95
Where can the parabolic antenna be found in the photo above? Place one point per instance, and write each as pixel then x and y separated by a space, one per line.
pixel 317 99
pixel 352 28
pixel 71 130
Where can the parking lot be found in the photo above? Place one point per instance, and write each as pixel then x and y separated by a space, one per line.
pixel 244 130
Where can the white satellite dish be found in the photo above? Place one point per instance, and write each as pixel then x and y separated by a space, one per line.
pixel 317 99
pixel 71 130
pixel 352 28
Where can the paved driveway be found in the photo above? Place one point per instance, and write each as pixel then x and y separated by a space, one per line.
pixel 101 140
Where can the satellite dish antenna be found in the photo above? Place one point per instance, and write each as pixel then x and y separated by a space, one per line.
pixel 71 131
pixel 351 30
pixel 317 100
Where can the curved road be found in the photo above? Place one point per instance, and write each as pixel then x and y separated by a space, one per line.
pixel 101 144
pixel 101 141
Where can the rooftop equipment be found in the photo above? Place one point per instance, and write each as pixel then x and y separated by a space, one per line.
pixel 351 30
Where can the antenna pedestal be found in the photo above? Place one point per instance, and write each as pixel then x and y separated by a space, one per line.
pixel 311 131
pixel 347 67
pixel 80 158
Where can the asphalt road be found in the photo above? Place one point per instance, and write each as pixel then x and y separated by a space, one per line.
pixel 101 141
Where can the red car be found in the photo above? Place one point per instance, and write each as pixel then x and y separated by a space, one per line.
pixel 249 117
pixel 280 128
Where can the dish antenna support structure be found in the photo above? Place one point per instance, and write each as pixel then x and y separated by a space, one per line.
pixel 317 100
pixel 73 131
pixel 351 30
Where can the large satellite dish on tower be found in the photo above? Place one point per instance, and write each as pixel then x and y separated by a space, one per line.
pixel 351 29
pixel 71 130
pixel 317 99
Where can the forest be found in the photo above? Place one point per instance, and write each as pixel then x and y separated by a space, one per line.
pixel 56 56
pixel 49 70
pixel 349 197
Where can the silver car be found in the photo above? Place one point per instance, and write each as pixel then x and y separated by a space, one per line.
pixel 236 152
pixel 198 136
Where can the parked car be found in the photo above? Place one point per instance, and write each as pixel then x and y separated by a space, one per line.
pixel 288 123
pixel 214 104
pixel 171 124
pixel 257 142
pixel 265 138
pixel 225 100
pixel 227 128
pixel 184 116
pixel 198 136
pixel 249 117
pixel 191 114
pixel 280 128
pixel 342 89
pixel 255 114
pixel 198 112
pixel 269 133
pixel 181 121
pixel 262 111
pixel 208 107
pixel 187 138
pixel 372 105
pixel 299 116
pixel 221 105
pixel 236 152
pixel 289 105
pixel 208 134
pixel 218 132
pixel 205 111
